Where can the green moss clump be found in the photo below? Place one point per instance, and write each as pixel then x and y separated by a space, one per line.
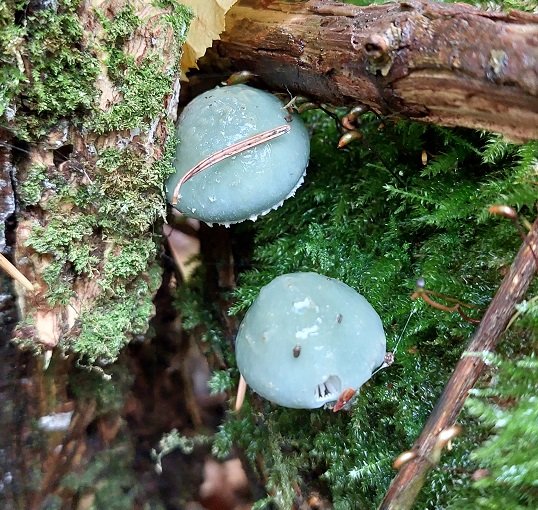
pixel 508 410
pixel 100 213
pixel 127 190
pixel 106 327
pixel 33 186
pixel 11 42
pixel 128 262
pixel 143 87
pixel 67 239
pixel 63 68
pixel 144 84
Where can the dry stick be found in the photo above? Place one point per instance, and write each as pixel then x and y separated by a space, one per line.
pixel 228 152
pixel 12 271
pixel 407 483
pixel 435 62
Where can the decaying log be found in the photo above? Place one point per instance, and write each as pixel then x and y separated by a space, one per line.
pixel 51 324
pixel 410 478
pixel 449 64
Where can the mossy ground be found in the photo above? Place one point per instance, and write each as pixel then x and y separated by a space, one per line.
pixel 374 216
pixel 371 215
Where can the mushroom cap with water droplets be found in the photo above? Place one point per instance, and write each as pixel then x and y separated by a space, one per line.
pixel 250 183
pixel 306 338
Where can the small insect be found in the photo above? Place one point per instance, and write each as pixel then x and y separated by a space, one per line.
pixel 296 351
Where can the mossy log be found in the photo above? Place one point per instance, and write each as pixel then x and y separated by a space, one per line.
pixel 85 139
pixel 449 64
pixel 90 181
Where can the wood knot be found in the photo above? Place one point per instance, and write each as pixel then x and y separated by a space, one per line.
pixel 376 47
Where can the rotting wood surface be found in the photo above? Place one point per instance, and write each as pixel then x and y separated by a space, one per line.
pixel 449 64
pixel 54 323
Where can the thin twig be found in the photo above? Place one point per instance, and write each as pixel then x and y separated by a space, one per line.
pixel 228 152
pixel 407 483
pixel 12 271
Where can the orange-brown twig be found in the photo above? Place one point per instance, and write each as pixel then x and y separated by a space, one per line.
pixel 425 295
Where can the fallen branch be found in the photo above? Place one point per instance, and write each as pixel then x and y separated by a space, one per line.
pixel 411 476
pixel 450 64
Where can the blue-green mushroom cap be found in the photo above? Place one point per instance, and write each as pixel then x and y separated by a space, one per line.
pixel 250 183
pixel 306 338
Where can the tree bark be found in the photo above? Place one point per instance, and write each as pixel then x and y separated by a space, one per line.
pixel 410 479
pixel 52 324
pixel 449 64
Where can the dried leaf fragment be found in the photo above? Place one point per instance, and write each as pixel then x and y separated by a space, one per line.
pixel 207 25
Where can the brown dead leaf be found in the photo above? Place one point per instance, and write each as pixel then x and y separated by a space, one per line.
pixel 207 25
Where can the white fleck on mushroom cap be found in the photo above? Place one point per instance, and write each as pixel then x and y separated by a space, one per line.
pixel 250 183
pixel 306 338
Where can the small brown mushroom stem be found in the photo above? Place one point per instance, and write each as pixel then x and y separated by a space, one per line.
pixel 228 152
pixel 12 271
pixel 241 391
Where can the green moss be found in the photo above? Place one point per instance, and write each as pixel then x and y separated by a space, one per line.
pixel 32 187
pixel 61 233
pixel 62 68
pixel 108 477
pixel 143 84
pixel 120 27
pixel 99 221
pixel 59 282
pixel 68 240
pixel 130 260
pixel 128 192
pixel 109 393
pixel 11 47
pixel 508 413
pixel 108 325
pixel 373 216
pixel 143 87
pixel 179 18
